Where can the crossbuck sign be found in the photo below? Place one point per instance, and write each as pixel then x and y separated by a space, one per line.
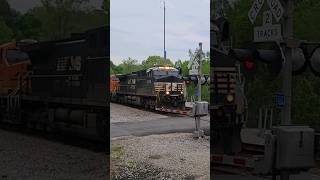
pixel 268 31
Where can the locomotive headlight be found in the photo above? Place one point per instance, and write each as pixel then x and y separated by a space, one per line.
pixel 230 98
pixel 167 93
pixel 181 92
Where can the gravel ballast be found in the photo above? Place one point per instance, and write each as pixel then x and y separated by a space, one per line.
pixel 32 157
pixel 178 155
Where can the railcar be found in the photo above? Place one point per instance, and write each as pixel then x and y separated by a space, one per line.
pixel 13 66
pixel 66 87
pixel 157 88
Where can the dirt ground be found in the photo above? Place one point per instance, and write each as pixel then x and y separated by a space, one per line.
pixel 34 158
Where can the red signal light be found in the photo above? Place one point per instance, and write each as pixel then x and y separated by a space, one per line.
pixel 248 64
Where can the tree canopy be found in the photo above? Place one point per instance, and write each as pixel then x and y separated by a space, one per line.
pixel 51 20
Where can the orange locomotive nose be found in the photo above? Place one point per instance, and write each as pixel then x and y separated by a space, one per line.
pixel 13 68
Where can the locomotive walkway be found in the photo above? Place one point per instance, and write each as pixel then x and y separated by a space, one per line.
pixel 157 126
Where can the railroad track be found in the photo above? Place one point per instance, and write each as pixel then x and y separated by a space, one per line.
pixel 239 164
pixel 155 111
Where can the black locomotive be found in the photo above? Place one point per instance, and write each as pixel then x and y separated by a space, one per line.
pixel 66 87
pixel 157 88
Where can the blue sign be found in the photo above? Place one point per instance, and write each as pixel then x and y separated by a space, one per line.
pixel 280 100
pixel 196 93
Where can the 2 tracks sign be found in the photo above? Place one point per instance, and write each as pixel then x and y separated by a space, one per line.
pixel 268 31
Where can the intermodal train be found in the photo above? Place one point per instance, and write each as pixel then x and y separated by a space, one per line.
pixel 159 88
pixel 58 86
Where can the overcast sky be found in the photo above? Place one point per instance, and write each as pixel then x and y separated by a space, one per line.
pixel 137 28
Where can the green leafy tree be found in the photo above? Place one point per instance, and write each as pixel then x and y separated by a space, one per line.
pixel 5 11
pixel 28 26
pixel 130 65
pixel 6 33
pixel 184 67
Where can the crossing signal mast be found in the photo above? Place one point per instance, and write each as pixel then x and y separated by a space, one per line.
pixel 285 57
pixel 164 31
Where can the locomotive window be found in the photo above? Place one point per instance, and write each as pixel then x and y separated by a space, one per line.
pixel 159 73
pixel 173 73
pixel 14 56
pixel 166 73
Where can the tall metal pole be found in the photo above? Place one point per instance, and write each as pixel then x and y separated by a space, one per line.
pixel 287 71
pixel 164 31
pixel 199 71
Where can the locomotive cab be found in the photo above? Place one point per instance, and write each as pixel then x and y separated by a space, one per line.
pixel 13 68
pixel 168 87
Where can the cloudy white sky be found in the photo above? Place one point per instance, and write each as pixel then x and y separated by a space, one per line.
pixel 137 28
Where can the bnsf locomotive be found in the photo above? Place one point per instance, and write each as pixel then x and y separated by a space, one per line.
pixel 61 85
pixel 13 66
pixel 157 88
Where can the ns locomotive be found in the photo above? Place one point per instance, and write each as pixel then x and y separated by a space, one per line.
pixel 65 87
pixel 157 88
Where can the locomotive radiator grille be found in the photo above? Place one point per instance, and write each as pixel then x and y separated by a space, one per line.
pixel 224 80
pixel 163 87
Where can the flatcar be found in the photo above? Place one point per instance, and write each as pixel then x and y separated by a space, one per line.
pixel 68 87
pixel 157 88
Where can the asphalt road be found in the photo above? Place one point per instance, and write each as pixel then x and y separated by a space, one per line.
pixel 129 121
pixel 157 126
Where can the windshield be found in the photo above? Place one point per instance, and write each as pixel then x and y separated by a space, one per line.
pixel 165 73
pixel 15 56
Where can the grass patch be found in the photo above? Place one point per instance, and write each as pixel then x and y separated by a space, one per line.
pixel 117 152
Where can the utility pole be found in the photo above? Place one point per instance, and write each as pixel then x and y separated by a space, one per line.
pixel 199 71
pixel 287 72
pixel 164 31
pixel 287 69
